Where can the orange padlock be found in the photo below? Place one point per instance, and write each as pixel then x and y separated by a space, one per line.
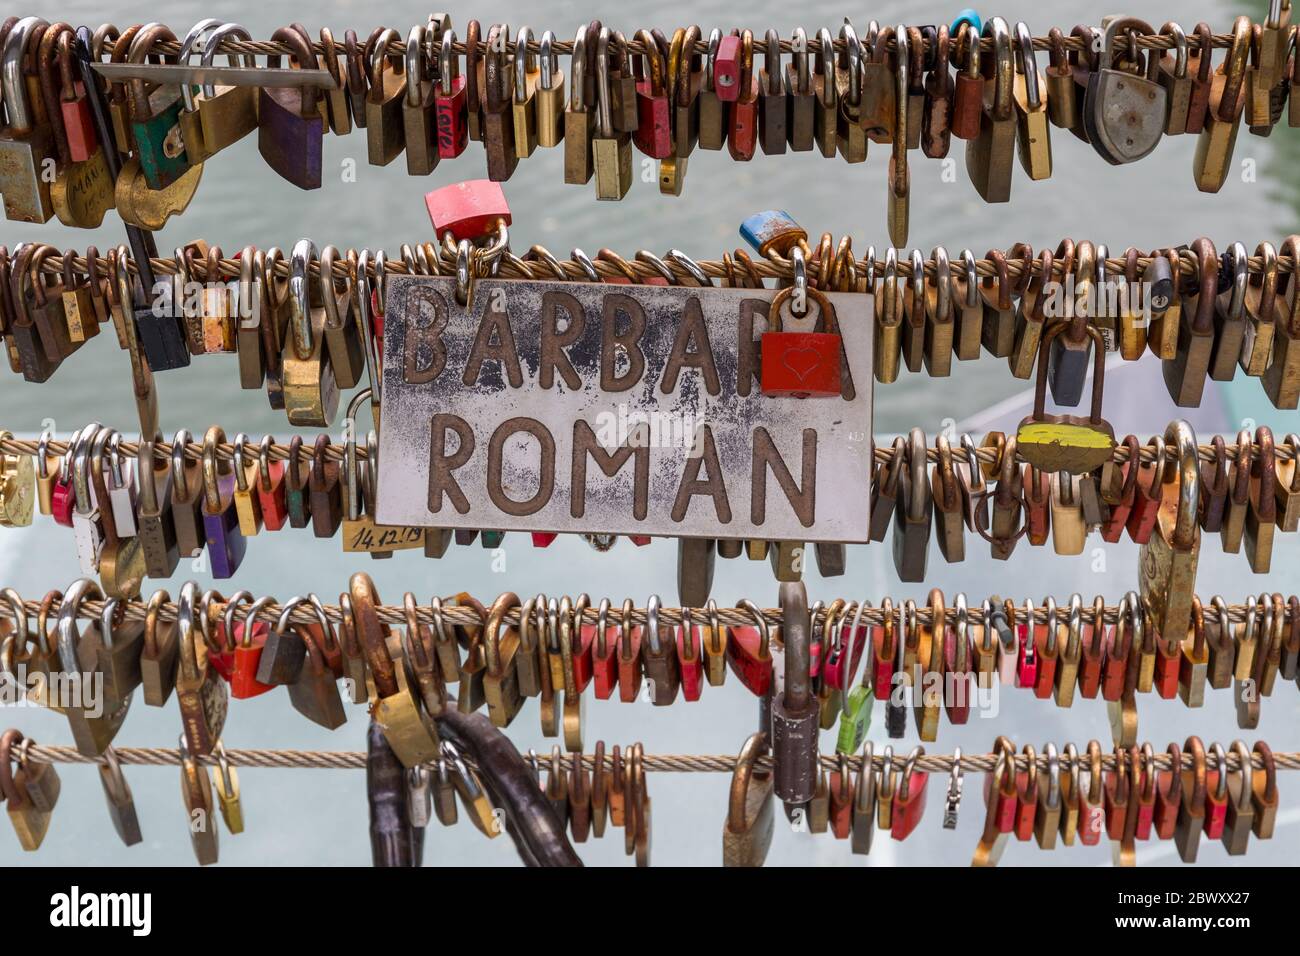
pixel 801 364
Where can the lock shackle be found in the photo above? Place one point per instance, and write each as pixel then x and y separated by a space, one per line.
pixel 1004 68
pixel 581 60
pixel 193 39
pixel 938 630
pixel 850 665
pixel 1221 763
pixel 795 625
pixel 14 798
pixel 69 633
pixel 685 66
pixel 625 650
pixel 496 75
pixel 12 82
pixel 1207 261
pixel 1172 28
pixel 772 62
pixel 1234 68
pixel 304 251
pixel 378 48
pixel 799 59
pixel 213 469
pixel 944 484
pixel 415 69
pixel 1240 277
pixel 328 288
pixel 525 62
pixel 449 63
pixel 942 283
pixel 1244 795
pixel 1180 434
pixel 193 654
pixel 1028 65
pixel 825 66
pixel 852 58
pixel 961 629
pixel 916 466
pixel 915 54
pixel 653 642
pixel 301 56
pixel 967 42
pixel 1264 467
pixel 240 464
pixel 1129 25
pixel 1098 371
pixel 496 614
pixel 1270 771
pixel 81 466
pixel 604 116
pixel 904 790
pixel 550 60
pixel 760 623
pixel 254 608
pixel 141 46
pixel 1074 628
pixel 1266 282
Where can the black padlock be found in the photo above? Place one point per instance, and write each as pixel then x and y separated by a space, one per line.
pixel 159 325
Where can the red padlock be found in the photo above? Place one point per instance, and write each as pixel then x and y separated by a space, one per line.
pixel 581 649
pixel 640 540
pixel 270 488
pixel 63 500
pixel 1094 641
pixel 909 797
pixel 841 791
pixel 1027 796
pixel 1027 654
pixel 1146 497
pixel 654 131
pixel 604 652
pixel 247 657
pixel 1216 793
pixel 1119 673
pixel 628 657
pixel 74 107
pixel 801 364
pixel 845 651
pixel 468 210
pixel 1047 642
pixel 884 652
pixel 543 539
pixel 1169 658
pixel 742 116
pixel 726 68
pixel 959 675
pixel 1112 529
pixel 749 653
pixel 450 101
pixel 1000 787
pixel 690 657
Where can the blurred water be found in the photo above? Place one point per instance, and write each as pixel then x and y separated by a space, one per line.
pixel 319 817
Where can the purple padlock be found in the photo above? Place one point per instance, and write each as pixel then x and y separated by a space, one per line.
pixel 226 545
pixel 290 131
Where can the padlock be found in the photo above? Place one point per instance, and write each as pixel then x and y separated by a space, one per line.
pixel 291 127
pixel 1055 443
pixel 801 364
pixel 226 114
pixel 1030 93
pixel 1230 318
pixel 989 154
pixel 225 540
pixel 1124 112
pixel 310 389
pixel 26 144
pixel 200 692
pixel 1215 144
pixel 1167 561
pixel 419 123
pixel 913 515
pixel 451 101
pixel 794 708
pixel 154 117
pixel 94 722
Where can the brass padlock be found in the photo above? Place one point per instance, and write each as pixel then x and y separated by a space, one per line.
pixel 1167 562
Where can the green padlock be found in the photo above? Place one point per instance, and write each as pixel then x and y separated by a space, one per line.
pixel 855 719
pixel 155 119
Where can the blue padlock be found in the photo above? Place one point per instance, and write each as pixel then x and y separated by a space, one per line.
pixel 773 231
pixel 969 15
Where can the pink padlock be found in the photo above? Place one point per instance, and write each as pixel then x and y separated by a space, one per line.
pixel 468 210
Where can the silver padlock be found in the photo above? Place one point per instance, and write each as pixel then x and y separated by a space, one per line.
pixel 1124 112
pixel 86 527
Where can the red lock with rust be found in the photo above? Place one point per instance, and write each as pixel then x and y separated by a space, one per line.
pixel 801 364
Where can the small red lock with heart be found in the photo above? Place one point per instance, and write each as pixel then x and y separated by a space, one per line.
pixel 801 364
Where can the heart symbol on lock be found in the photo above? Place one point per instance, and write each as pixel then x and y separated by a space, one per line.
pixel 802 362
